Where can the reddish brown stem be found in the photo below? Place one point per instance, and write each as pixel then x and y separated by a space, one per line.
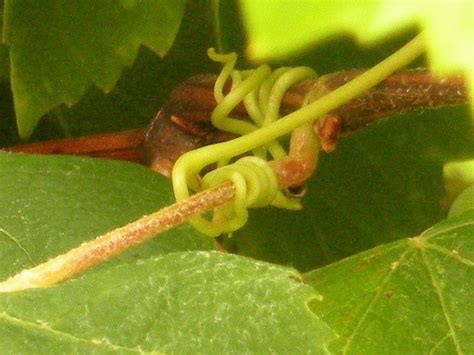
pixel 121 145
pixel 183 123
pixel 405 91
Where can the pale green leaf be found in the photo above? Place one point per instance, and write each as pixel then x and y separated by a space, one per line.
pixel 184 302
pixel 280 28
pixel 458 175
pixel 464 202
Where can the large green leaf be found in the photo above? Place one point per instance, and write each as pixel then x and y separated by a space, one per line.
pixel 84 43
pixel 411 296
pixel 49 205
pixel 212 302
pixel 183 302
pixel 177 303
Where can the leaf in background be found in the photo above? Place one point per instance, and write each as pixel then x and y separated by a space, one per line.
pixel 4 63
pixel 464 202
pixel 411 296
pixel 51 204
pixel 138 94
pixel 458 175
pixel 279 28
pixel 179 303
pixel 83 43
pixel 381 184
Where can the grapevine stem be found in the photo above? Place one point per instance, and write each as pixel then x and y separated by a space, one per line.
pixel 207 155
pixel 116 241
pixel 190 164
pixel 104 247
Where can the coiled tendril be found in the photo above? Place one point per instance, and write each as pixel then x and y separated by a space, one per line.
pixel 187 168
pixel 261 92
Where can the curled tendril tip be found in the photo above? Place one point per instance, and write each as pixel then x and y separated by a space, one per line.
pixel 261 91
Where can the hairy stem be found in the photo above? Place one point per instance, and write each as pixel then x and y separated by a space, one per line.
pixel 114 242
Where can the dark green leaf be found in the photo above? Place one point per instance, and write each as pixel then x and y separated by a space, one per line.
pixel 85 43
pixel 4 63
pixel 138 95
pixel 411 296
pixel 381 184
pixel 49 205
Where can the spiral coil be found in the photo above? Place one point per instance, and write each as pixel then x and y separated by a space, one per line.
pixel 261 92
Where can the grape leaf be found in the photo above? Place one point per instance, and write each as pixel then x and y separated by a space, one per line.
pixel 85 43
pixel 51 204
pixel 411 296
pixel 179 303
pixel 199 300
pixel 137 96
pixel 279 28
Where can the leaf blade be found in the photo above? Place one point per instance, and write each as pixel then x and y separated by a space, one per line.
pixel 85 43
pixel 50 204
pixel 410 295
pixel 178 303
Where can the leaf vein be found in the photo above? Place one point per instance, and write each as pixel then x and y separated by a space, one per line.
pixel 44 328
pixel 18 244
pixel 439 343
pixel 426 234
pixel 377 295
pixel 449 253
pixel 438 292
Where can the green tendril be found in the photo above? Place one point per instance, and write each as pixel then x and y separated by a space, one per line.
pixel 261 92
